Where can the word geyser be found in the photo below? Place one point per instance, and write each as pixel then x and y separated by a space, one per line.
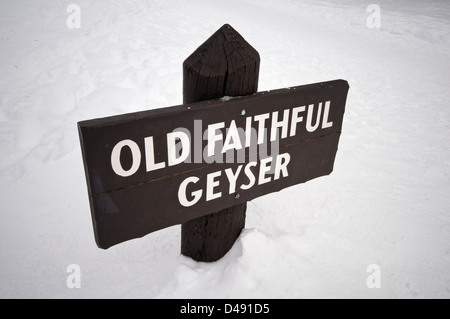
pixel 149 170
pixel 257 131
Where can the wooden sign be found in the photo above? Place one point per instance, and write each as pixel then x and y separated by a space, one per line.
pixel 150 170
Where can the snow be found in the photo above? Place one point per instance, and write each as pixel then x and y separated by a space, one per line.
pixel 386 203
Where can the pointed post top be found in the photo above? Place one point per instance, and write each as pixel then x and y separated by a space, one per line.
pixel 224 65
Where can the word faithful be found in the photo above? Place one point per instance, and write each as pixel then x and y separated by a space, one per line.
pixel 179 147
pixel 180 140
pixel 154 169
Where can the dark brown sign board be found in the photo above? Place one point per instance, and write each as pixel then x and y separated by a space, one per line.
pixel 150 170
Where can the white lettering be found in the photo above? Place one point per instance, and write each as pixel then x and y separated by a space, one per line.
pixel 263 169
pixel 115 158
pixel 248 131
pixel 277 124
pixel 172 147
pixel 296 119
pixel 211 183
pixel 213 138
pixel 261 119
pixel 281 164
pixel 309 125
pixel 326 114
pixel 150 155
pixel 232 134
pixel 250 175
pixel 214 180
pixel 182 192
pixel 232 178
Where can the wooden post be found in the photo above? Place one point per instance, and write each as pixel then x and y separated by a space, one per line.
pixel 225 65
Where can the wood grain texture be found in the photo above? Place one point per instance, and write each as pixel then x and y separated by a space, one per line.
pixel 225 65
pixel 210 237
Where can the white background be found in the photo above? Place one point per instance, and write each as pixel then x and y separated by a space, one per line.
pixel 386 203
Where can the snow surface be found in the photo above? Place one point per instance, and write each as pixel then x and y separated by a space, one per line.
pixel 386 203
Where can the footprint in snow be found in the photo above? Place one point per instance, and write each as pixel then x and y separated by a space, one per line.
pixel 53 146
